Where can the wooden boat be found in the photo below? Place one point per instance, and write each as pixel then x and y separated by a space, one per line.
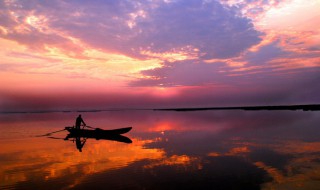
pixel 98 131
pixel 113 134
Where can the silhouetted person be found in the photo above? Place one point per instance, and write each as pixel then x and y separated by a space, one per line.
pixel 80 143
pixel 79 120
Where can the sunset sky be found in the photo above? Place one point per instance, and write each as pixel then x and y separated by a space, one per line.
pixel 76 54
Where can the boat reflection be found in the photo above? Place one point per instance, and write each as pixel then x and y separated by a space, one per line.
pixel 81 139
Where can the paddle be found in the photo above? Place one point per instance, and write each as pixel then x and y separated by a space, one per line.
pixel 48 134
pixel 90 127
pixel 60 139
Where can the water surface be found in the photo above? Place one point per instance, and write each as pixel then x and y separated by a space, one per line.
pixel 170 150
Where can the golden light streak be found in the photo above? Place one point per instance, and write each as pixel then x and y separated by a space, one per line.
pixel 299 147
pixel 169 56
pixel 183 160
pixel 295 63
pixel 3 30
pixel 214 154
pixel 236 151
pixel 277 175
pixel 270 37
pixel 179 54
pixel 232 62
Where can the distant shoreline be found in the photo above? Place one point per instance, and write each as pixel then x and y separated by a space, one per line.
pixel 308 107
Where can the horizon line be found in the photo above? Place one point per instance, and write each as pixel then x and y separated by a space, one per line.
pixel 304 107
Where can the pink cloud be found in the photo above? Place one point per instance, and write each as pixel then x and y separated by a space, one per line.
pixel 207 52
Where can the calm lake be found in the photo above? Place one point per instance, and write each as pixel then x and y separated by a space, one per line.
pixel 169 150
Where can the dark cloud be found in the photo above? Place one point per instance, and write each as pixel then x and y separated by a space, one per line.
pixel 217 32
pixel 197 73
pixel 264 54
pixel 263 85
pixel 183 73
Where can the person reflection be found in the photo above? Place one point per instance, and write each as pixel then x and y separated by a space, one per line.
pixel 79 120
pixel 80 143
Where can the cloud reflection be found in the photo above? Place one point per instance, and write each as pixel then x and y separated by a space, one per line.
pixel 38 157
pixel 205 149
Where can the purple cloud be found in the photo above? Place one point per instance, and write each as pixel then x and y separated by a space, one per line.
pixel 183 73
pixel 128 27
pixel 222 83
pixel 217 32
